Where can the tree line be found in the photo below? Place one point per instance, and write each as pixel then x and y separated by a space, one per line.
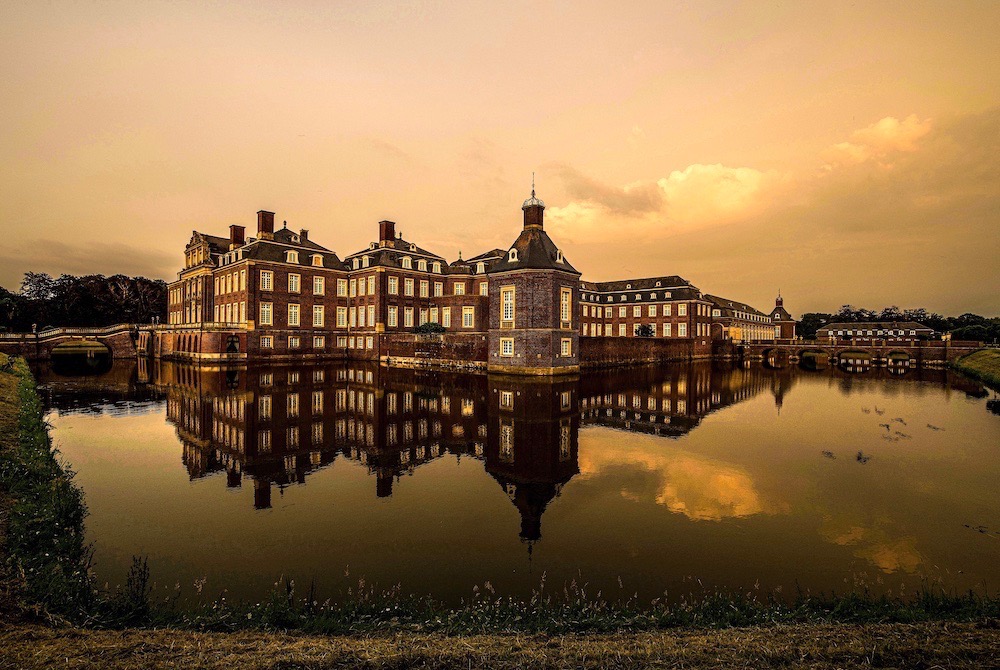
pixel 965 327
pixel 87 301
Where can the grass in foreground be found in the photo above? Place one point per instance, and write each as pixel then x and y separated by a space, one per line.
pixel 983 365
pixel 822 647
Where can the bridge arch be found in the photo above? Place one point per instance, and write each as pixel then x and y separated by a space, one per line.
pixel 80 356
pixel 814 359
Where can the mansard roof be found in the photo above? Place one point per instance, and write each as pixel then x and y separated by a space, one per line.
pixel 728 307
pixel 535 251
pixel 266 250
pixel 286 236
pixel 668 282
pixel 398 246
pixel 779 313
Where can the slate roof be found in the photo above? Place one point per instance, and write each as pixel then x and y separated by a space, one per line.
pixel 648 283
pixel 266 250
pixel 216 244
pixel 399 246
pixel 728 307
pixel 535 251
pixel 779 313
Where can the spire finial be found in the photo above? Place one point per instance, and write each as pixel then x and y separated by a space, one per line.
pixel 532 184
pixel 459 254
pixel 286 224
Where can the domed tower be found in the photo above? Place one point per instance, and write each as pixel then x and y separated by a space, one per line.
pixel 534 298
pixel 784 324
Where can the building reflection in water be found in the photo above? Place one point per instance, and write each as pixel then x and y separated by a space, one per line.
pixel 275 425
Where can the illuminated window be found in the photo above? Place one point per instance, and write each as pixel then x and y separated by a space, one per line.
pixel 506 346
pixel 266 314
pixel 266 280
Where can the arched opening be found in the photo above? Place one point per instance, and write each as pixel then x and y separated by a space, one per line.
pixel 74 358
pixel 897 362
pixel 814 359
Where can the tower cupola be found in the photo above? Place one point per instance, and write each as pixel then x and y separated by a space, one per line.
pixel 533 208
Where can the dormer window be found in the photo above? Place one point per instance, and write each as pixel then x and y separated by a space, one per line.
pixel 559 256
pixel 638 296
pixel 372 246
pixel 354 264
pixel 624 298
pixel 422 265
pixel 413 247
pixel 295 238
pixel 628 286
pixel 480 268
pixel 317 260
pixel 407 263
pixel 652 296
pixel 657 284
pixel 365 261
pixel 436 267
pixel 512 256
pixel 291 257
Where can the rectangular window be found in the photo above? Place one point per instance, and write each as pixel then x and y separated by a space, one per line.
pixel 507 307
pixel 468 317
pixel 565 307
pixel 393 285
pixel 264 411
pixel 682 309
pixel 637 311
pixel 608 312
pixel 423 316
pixel 586 310
pixel 666 330
pixel 243 280
pixel 266 314
pixel 266 342
pixel 666 310
pixel 293 314
pixel 507 346
pixel 460 288
pixel 566 347
pixel 408 317
pixel 361 316
pixel 651 310
pixel 352 318
pixel 319 316
pixel 484 288
pixel 292 405
pixel 407 286
pixel 424 289
pixel 293 283
pixel 434 315
pixel 622 312
pixel 621 330
pixel 446 317
pixel 319 342
pixel 682 330
pixel 371 315
pixel 354 287
pixel 438 289
pixel 293 341
pixel 369 342
pixel 371 285
pixel 266 280
pixel 341 342
pixel 341 317
pixel 393 315
pixel 342 288
pixel 319 285
pixel 507 399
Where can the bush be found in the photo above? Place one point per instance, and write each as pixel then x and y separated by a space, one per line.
pixel 429 328
pixel 645 330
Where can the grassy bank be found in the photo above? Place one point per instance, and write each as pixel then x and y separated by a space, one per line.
pixel 821 647
pixel 983 365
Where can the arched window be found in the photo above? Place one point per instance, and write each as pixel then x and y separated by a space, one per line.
pixel 291 257
pixel 407 263
pixel 480 268
pixel 559 256
pixel 422 265
pixel 436 267
pixel 365 261
pixel 317 260
pixel 512 255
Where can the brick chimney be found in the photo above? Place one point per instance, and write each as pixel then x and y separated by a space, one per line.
pixel 236 236
pixel 265 225
pixel 386 231
pixel 304 234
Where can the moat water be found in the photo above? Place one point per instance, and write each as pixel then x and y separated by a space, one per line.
pixel 676 479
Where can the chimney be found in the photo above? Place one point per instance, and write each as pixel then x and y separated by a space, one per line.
pixel 236 236
pixel 386 231
pixel 304 234
pixel 265 225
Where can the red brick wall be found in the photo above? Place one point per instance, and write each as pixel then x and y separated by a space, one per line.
pixel 615 351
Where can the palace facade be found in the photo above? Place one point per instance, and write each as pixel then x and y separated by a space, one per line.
pixel 522 310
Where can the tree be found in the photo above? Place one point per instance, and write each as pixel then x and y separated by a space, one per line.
pixel 429 327
pixel 645 330
pixel 811 322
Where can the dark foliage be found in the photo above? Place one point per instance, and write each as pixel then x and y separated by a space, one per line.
pixel 645 330
pixel 429 327
pixel 91 300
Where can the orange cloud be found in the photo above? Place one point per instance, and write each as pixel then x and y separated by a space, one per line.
pixel 879 140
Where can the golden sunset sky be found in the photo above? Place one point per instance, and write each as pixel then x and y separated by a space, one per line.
pixel 844 153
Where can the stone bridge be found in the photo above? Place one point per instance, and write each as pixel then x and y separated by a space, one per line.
pixel 118 341
pixel 930 353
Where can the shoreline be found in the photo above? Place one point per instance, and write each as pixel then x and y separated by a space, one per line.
pixel 983 365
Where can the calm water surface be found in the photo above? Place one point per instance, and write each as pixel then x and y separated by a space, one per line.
pixel 676 478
